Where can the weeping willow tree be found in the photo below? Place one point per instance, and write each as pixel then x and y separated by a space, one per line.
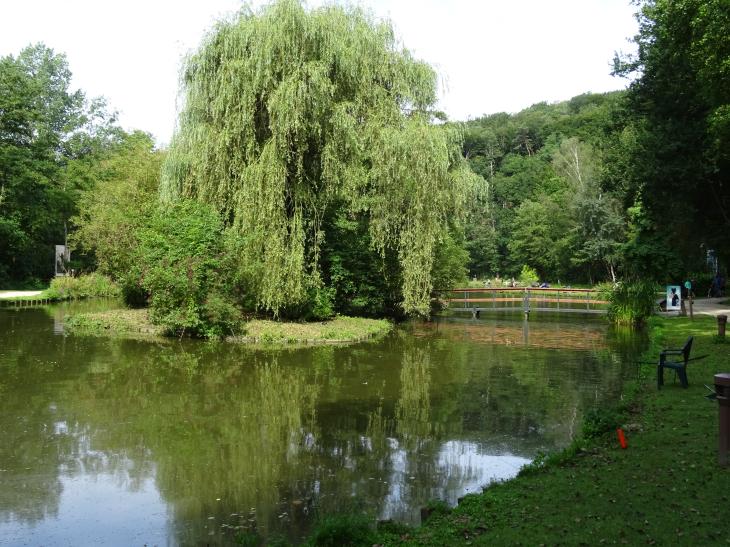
pixel 288 113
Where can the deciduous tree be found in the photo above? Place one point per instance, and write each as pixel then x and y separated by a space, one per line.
pixel 289 112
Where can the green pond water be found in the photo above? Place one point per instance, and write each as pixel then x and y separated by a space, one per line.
pixel 117 442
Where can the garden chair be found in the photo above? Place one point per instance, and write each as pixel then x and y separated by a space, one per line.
pixel 679 366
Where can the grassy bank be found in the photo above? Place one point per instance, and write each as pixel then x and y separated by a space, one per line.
pixel 337 330
pixel 666 488
pixel 71 288
pixel 124 323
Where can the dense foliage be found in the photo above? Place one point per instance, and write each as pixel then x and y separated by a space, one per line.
pixel 290 114
pixel 121 200
pixel 83 286
pixel 548 202
pixel 180 264
pixel 678 159
pixel 631 303
pixel 49 137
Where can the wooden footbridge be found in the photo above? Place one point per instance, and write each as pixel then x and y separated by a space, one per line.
pixel 524 299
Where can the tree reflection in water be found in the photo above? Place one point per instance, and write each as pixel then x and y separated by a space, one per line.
pixel 212 439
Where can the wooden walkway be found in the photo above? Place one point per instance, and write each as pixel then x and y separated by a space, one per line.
pixel 25 303
pixel 526 300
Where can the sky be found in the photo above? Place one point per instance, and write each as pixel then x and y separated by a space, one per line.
pixel 491 55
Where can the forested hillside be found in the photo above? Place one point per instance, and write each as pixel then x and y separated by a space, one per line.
pixel 630 183
pixel 549 199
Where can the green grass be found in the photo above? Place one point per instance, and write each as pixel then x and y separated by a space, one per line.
pixel 122 323
pixel 127 323
pixel 69 288
pixel 337 330
pixel 665 489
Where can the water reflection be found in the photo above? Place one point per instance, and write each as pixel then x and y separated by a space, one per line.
pixel 195 442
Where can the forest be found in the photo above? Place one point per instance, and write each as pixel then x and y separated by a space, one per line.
pixel 311 173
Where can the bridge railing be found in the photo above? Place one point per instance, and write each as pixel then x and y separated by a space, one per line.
pixel 527 299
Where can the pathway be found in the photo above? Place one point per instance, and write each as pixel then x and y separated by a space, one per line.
pixel 13 294
pixel 712 306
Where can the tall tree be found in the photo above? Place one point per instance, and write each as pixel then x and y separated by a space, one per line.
pixel 46 132
pixel 119 201
pixel 598 225
pixel 290 112
pixel 681 102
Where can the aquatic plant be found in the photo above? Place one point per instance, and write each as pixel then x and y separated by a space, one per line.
pixel 630 302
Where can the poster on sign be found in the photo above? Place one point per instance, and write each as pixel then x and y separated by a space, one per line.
pixel 63 256
pixel 674 298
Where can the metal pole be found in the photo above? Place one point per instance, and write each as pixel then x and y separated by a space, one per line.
pixel 722 389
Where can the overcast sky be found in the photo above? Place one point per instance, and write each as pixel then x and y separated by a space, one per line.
pixel 492 55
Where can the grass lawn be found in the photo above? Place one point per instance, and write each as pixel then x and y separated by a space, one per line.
pixel 121 323
pixel 665 489
pixel 337 330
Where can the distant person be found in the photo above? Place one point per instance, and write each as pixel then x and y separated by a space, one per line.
pixel 717 287
pixel 721 285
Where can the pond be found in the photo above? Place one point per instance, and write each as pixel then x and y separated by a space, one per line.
pixel 183 442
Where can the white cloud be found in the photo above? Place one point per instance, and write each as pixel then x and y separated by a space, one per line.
pixel 492 55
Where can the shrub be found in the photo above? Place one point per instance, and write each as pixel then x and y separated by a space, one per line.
pixel 85 286
pixel 180 259
pixel 319 305
pixel 631 302
pixel 599 421
pixel 133 293
pixel 528 275
pixel 337 530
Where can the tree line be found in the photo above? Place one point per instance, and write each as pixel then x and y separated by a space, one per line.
pixel 624 184
pixel 311 173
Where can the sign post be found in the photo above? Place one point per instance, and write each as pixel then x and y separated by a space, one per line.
pixel 674 298
pixel 63 257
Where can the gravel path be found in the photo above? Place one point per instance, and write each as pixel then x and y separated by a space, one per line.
pixel 711 306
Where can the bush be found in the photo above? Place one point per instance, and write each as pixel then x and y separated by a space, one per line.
pixel 133 293
pixel 631 302
pixel 180 260
pixel 85 286
pixel 528 276
pixel 598 422
pixel 337 530
pixel 318 306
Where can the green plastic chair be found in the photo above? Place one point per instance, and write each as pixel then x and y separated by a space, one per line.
pixel 677 365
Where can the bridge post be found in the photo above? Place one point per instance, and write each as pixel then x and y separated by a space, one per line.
pixel 526 303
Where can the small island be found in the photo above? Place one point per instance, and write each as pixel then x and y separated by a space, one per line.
pixel 136 324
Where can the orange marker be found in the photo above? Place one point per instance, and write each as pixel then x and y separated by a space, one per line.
pixel 621 438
